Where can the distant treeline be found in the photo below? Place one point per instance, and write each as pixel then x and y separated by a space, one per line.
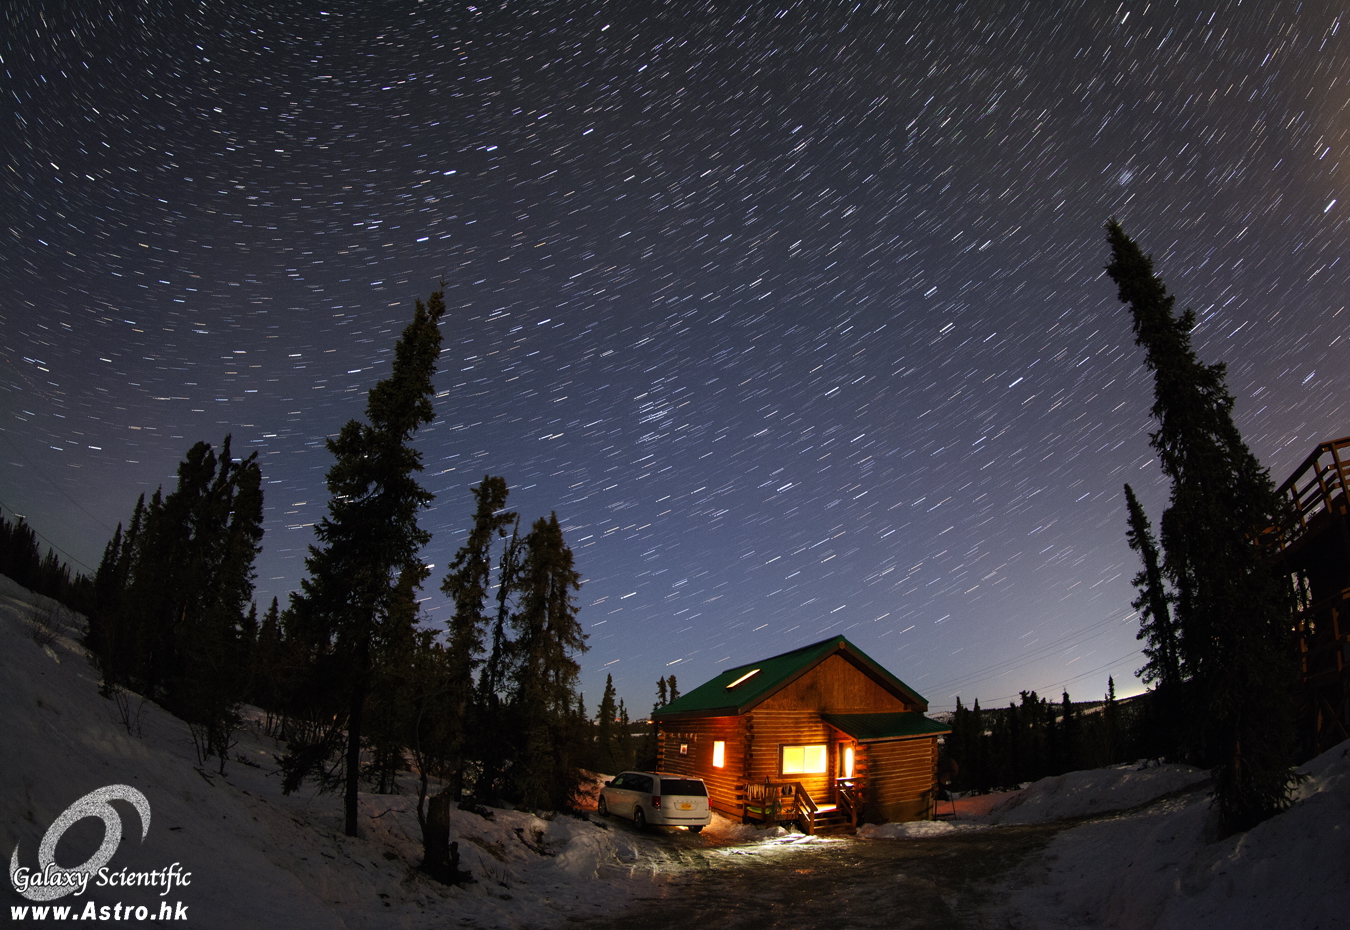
pixel 1000 748
pixel 21 559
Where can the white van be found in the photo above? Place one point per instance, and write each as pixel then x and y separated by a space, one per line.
pixel 658 799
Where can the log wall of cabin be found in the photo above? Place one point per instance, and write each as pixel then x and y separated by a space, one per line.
pixel 836 686
pixel 900 779
pixel 726 785
pixel 773 729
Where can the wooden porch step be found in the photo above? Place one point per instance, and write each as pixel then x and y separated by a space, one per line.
pixel 832 822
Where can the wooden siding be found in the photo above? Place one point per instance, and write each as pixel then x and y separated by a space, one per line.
pixel 726 785
pixel 774 729
pixel 835 686
pixel 900 779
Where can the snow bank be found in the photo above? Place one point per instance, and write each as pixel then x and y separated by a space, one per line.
pixel 1097 791
pixel 1163 868
pixel 725 830
pixel 258 858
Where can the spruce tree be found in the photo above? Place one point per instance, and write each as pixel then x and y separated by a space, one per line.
pixel 173 595
pixel 1232 608
pixel 488 736
pixel 1159 724
pixel 1072 733
pixel 624 741
pixel 606 735
pixel 370 539
pixel 467 583
pixel 1153 603
pixel 546 770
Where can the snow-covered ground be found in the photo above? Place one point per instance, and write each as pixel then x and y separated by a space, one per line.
pixel 258 858
pixel 1164 867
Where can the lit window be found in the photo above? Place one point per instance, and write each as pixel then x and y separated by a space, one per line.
pixel 846 762
pixel 804 760
pixel 719 754
pixel 684 749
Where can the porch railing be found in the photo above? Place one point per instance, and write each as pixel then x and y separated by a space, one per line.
pixel 850 794
pixel 789 802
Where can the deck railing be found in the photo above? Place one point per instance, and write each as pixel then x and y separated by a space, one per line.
pixel 789 802
pixel 850 794
pixel 779 802
pixel 1320 485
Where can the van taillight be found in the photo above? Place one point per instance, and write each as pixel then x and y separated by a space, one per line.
pixel 656 801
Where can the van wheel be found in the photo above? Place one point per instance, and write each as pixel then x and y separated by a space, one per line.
pixel 695 829
pixel 639 819
pixel 601 807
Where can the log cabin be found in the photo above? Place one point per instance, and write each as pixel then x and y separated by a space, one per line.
pixel 821 736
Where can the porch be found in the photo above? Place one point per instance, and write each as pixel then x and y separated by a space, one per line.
pixel 788 802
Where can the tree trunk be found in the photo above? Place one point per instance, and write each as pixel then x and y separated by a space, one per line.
pixel 354 755
pixel 440 857
pixel 436 838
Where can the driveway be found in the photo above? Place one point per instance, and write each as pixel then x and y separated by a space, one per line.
pixel 932 883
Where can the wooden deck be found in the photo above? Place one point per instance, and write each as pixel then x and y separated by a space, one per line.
pixel 785 802
pixel 1315 549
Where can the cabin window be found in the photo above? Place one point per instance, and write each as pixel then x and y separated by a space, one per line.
pixel 719 754
pixel 684 749
pixel 804 760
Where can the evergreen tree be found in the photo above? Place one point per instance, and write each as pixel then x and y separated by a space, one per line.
pixel 217 647
pixel 1153 603
pixel 624 743
pixel 606 733
pixel 488 736
pixel 46 575
pixel 369 542
pixel 1232 607
pixel 1159 732
pixel 546 769
pixel 467 584
pixel 173 595
pixel 265 667
pixel 1071 735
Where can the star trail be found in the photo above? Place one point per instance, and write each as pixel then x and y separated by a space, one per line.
pixel 794 313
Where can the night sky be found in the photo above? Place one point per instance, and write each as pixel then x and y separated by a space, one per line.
pixel 794 313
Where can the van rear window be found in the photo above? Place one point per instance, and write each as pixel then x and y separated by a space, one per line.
pixel 686 786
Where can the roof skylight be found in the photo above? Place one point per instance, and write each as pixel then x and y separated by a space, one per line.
pixel 746 677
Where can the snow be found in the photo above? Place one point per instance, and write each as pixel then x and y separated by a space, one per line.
pixel 258 858
pixel 1078 794
pixel 1164 867
pixel 915 829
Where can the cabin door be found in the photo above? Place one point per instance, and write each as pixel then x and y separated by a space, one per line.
pixel 844 761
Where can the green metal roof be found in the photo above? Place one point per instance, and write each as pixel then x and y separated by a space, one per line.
pixel 717 698
pixel 865 727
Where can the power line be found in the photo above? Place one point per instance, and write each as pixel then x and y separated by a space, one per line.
pixel 50 544
pixel 1078 638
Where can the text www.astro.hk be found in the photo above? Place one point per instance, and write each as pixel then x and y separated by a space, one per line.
pixel 176 910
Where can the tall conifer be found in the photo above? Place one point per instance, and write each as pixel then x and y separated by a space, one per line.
pixel 1232 608
pixel 468 583
pixel 548 637
pixel 370 539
